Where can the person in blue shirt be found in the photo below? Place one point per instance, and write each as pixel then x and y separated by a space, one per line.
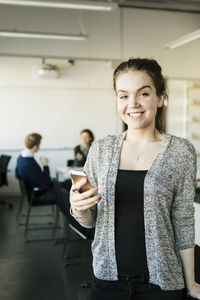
pixel 34 176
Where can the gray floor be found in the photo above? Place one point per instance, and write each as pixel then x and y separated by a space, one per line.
pixel 35 270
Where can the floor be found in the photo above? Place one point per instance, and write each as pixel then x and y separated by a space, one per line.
pixel 35 270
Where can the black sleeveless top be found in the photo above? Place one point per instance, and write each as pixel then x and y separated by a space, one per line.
pixel 129 222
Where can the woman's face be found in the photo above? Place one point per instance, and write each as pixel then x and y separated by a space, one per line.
pixel 137 101
pixel 85 138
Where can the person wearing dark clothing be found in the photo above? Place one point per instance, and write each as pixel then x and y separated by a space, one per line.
pixel 80 154
pixel 141 203
pixel 81 151
pixel 29 170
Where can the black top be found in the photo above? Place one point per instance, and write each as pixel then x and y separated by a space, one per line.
pixel 129 222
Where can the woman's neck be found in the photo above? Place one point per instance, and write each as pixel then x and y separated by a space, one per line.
pixel 85 146
pixel 143 135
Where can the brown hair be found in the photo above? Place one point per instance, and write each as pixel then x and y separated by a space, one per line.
pixel 32 139
pixel 153 69
pixel 90 133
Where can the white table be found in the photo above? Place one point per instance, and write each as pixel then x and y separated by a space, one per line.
pixel 64 171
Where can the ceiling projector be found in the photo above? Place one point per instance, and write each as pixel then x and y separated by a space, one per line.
pixel 48 71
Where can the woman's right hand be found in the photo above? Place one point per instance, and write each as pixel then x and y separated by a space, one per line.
pixel 80 202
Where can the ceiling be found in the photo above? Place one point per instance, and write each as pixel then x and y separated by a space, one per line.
pixel 142 28
pixel 173 5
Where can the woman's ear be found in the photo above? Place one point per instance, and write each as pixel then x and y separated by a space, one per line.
pixel 161 100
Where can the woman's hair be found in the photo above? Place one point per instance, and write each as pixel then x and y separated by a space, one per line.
pixel 91 134
pixel 32 139
pixel 153 69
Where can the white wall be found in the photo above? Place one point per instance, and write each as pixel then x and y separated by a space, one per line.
pixel 197 223
pixel 177 107
pixel 58 109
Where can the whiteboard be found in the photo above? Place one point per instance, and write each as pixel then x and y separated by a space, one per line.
pixel 58 114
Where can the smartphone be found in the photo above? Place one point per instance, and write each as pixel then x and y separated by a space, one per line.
pixel 76 176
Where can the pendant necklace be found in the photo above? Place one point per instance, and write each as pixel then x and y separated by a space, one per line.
pixel 136 158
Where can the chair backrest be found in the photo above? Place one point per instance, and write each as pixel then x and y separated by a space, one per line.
pixel 70 162
pixel 1 178
pixel 23 187
pixel 4 160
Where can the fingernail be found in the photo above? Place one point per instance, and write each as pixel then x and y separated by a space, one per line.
pixel 100 196
pixel 96 189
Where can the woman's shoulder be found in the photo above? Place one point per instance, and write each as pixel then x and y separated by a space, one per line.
pixel 181 144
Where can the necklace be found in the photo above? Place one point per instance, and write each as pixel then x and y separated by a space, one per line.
pixel 136 158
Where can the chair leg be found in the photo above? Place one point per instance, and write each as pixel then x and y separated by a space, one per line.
pixel 27 221
pixel 56 222
pixel 53 212
pixel 20 209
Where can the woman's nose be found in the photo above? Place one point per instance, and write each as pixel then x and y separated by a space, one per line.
pixel 133 100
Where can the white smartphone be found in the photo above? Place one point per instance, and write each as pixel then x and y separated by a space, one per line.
pixel 76 176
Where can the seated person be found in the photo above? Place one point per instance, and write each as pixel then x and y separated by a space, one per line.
pixel 81 151
pixel 29 170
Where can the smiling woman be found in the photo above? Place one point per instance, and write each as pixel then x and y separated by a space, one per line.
pixel 138 102
pixel 149 74
pixel 143 213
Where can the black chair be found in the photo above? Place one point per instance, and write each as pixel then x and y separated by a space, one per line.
pixel 35 199
pixel 70 162
pixel 4 161
pixel 197 195
pixel 23 197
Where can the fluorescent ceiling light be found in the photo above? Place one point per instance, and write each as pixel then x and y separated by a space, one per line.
pixel 87 5
pixel 37 35
pixel 184 40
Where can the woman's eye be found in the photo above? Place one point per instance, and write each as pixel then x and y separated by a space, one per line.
pixel 123 97
pixel 144 94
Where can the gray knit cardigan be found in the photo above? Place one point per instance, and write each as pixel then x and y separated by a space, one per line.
pixel 169 188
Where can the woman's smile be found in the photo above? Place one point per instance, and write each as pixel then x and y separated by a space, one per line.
pixel 135 115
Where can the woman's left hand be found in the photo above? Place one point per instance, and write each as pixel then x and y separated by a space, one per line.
pixel 194 291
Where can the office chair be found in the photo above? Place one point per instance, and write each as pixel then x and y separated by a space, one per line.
pixel 70 162
pixel 197 195
pixel 4 161
pixel 23 196
pixel 34 199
